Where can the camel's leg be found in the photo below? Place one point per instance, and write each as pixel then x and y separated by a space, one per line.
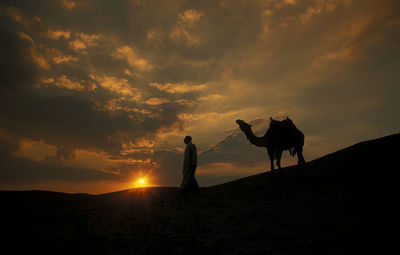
pixel 300 163
pixel 278 163
pixel 271 159
pixel 278 159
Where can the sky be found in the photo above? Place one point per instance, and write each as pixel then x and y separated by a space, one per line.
pixel 96 94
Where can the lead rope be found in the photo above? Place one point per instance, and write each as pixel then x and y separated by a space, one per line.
pixel 218 144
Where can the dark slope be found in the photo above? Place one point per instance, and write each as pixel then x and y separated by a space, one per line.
pixel 342 204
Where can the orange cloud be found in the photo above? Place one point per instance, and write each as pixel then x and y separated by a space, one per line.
pixel 289 1
pixel 42 56
pixel 83 41
pixel 352 38
pixel 142 145
pixel 154 37
pixel 39 58
pixel 57 34
pixel 99 160
pixel 117 85
pixel 209 116
pixel 126 53
pixel 64 82
pixel 116 105
pixel 266 18
pixel 186 20
pixel 179 33
pixel 212 97
pixel 185 102
pixel 36 150
pixel 157 101
pixel 178 87
pixel 190 16
pixel 62 58
pixel 25 19
pixel 26 37
pixel 319 7
pixel 72 4
pixel 58 57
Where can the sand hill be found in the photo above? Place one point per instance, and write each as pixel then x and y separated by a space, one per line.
pixel 342 204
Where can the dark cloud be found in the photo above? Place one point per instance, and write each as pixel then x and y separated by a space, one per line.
pixel 15 170
pixel 17 71
pixel 60 117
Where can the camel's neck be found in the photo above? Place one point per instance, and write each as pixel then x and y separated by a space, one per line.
pixel 257 141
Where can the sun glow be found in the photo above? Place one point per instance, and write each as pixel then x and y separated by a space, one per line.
pixel 142 180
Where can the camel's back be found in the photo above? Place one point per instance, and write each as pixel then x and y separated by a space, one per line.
pixel 284 134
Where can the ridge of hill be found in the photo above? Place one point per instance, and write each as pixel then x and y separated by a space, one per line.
pixel 342 203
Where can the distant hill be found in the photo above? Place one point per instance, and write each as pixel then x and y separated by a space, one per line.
pixel 342 203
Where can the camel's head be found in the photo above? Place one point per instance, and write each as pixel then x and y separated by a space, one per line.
pixel 245 127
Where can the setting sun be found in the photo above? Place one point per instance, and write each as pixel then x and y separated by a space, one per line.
pixel 142 180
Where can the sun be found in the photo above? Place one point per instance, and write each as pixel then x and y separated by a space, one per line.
pixel 141 182
pixel 142 179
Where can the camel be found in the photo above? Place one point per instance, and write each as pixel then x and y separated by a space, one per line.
pixel 280 136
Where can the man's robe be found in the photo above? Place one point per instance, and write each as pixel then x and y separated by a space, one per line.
pixel 189 168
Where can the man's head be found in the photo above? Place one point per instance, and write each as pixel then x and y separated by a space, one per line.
pixel 187 139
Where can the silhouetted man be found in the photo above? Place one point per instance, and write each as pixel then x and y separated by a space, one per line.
pixel 189 182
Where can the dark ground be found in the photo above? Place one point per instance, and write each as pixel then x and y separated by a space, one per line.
pixel 342 204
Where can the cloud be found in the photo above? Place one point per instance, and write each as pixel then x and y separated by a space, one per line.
pixel 190 17
pixel 290 1
pixel 73 4
pixel 57 34
pixel 117 85
pixel 140 146
pixel 178 87
pixel 27 20
pixel 36 150
pixel 212 97
pixel 43 55
pixel 186 20
pixel 157 101
pixel 160 101
pixel 39 58
pixel 59 57
pixel 126 53
pixel 64 82
pixel 83 41
pixel 319 7
pixel 26 37
pixel 23 172
pixel 266 14
pixel 155 38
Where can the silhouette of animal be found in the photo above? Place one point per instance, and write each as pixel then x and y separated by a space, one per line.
pixel 280 136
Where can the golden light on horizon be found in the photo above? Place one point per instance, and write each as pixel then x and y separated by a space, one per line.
pixel 141 183
pixel 142 180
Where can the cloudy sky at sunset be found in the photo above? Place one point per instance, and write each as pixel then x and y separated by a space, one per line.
pixel 95 94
